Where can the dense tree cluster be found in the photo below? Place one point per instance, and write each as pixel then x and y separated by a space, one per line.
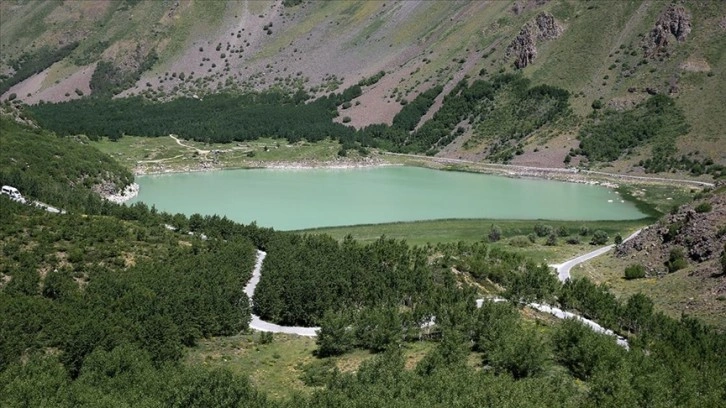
pixel 79 283
pixel 505 109
pixel 45 167
pixel 372 80
pixel 215 118
pixel 305 276
pixel 226 118
pixel 411 114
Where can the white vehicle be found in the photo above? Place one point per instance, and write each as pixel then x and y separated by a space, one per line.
pixel 13 193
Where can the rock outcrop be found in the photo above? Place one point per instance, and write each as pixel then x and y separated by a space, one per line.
pixel 698 232
pixel 674 21
pixel 524 47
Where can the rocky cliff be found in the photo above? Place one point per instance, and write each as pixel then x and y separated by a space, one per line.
pixel 524 47
pixel 675 21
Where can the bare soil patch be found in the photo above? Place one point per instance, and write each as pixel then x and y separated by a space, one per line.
pixel 695 64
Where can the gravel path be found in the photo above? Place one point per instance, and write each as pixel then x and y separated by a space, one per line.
pixel 547 171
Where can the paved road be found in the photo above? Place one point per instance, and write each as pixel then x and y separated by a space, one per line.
pixel 563 269
pixel 261 325
pixel 48 208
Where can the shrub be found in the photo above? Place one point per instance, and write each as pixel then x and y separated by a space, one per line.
pixel 495 233
pixel 520 241
pixel 543 230
pixel 677 260
pixel 703 208
pixel 618 239
pixel 673 230
pixel 636 271
pixel 599 237
pixel 318 373
pixel 573 240
pixel 597 104
pixel 346 119
pixel 584 231
pixel 532 238
pixel 551 240
pixel 562 231
pixel 265 338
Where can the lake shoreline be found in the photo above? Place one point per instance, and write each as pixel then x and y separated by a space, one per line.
pixel 294 199
pixel 570 175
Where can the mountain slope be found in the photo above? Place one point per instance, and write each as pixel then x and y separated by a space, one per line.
pixel 614 55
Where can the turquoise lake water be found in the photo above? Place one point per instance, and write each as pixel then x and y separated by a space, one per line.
pixel 306 198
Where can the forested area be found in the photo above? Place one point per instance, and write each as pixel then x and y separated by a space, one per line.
pixel 79 283
pixel 108 80
pixel 411 113
pixel 215 118
pixel 501 112
pixel 507 106
pixel 46 167
pixel 657 120
pixel 100 304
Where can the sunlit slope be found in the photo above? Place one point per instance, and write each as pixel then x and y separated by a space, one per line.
pixel 596 51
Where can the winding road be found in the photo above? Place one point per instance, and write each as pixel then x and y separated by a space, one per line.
pixel 260 325
pixel 563 269
pixel 563 273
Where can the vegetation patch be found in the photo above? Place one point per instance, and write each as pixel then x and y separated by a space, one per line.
pixel 636 271
pixel 33 63
pixel 657 120
pixel 108 79
pixel 56 170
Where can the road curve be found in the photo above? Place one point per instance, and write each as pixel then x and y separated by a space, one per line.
pixel 260 325
pixel 563 269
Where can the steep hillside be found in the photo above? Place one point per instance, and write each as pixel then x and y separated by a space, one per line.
pixel 678 262
pixel 607 56
pixel 63 172
pixel 692 237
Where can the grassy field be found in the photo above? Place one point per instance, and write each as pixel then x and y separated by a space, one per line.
pixel 674 294
pixel 165 154
pixel 473 230
pixel 276 367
